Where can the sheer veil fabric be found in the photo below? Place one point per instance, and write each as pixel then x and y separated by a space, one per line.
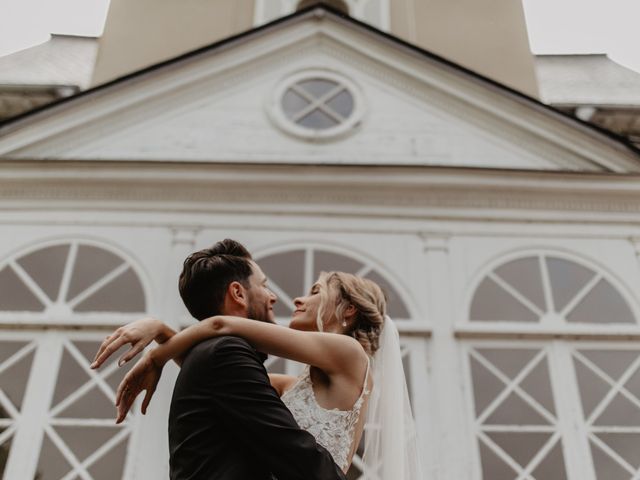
pixel 390 448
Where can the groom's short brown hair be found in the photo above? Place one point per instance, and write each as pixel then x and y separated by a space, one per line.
pixel 207 273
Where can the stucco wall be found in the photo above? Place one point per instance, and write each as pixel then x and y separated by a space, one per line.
pixel 489 37
pixel 142 33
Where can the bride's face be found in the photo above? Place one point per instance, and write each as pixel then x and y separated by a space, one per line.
pixel 306 313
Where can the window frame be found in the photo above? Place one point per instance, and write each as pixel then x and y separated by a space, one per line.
pixel 28 438
pixel 280 119
pixel 466 328
pixel 560 341
pixel 20 319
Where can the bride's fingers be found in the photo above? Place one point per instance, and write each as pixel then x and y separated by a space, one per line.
pixel 103 345
pixel 125 405
pixel 133 351
pixel 122 413
pixel 113 346
pixel 147 399
pixel 123 387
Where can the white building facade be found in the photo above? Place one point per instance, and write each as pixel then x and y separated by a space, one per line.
pixel 506 234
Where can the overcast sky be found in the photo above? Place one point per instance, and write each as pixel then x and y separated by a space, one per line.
pixel 555 26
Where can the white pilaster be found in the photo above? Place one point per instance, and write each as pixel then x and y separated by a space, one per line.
pixel 27 442
pixel 151 457
pixel 448 412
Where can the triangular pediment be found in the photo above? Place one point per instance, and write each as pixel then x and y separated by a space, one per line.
pixel 223 104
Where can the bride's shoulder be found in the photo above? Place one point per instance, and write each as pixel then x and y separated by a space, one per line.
pixel 350 357
pixel 348 346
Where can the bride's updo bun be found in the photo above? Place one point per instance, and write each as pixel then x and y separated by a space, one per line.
pixel 338 290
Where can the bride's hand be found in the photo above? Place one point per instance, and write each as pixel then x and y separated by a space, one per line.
pixel 138 334
pixel 144 375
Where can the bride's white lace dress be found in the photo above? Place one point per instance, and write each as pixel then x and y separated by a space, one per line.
pixel 332 428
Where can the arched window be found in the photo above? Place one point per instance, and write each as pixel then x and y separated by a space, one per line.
pixel 56 414
pixel 549 289
pixel 64 279
pixel 292 272
pixel 553 377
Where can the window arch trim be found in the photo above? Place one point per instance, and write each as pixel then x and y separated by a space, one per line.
pixel 466 328
pixel 20 319
pixel 414 323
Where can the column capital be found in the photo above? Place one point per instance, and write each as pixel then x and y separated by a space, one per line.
pixel 635 241
pixel 184 235
pixel 433 242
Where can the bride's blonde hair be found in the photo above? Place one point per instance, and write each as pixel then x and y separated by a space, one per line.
pixel 338 290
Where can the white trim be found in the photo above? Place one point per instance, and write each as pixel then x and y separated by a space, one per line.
pixel 31 321
pixel 528 331
pixel 27 442
pixel 582 293
pixel 30 284
pixel 557 433
pixel 512 386
pixel 308 269
pixel 616 386
pixel 524 301
pixel 402 199
pixel 577 453
pixel 68 272
pixel 99 284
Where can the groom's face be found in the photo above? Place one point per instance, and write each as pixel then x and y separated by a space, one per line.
pixel 260 298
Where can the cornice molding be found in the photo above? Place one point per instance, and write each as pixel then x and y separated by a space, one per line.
pixel 349 190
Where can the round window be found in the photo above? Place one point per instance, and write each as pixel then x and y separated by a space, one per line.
pixel 316 104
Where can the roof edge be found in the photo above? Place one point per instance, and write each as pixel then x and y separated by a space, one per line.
pixel 319 10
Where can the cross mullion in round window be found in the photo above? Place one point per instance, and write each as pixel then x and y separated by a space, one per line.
pixel 549 289
pixel 317 105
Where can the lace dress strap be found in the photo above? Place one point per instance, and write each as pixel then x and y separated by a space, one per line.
pixel 365 389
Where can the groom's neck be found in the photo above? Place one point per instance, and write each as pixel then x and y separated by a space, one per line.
pixel 234 311
pixel 241 312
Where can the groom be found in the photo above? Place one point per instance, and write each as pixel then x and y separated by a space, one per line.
pixel 226 421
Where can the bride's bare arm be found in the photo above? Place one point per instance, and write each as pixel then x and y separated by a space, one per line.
pixel 331 352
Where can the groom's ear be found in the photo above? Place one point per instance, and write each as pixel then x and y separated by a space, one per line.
pixel 237 294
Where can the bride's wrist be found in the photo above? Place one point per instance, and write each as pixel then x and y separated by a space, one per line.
pixel 156 357
pixel 163 332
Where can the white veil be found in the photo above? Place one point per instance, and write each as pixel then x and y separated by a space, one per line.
pixel 390 448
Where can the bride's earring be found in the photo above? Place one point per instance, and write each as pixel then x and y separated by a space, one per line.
pixel 344 323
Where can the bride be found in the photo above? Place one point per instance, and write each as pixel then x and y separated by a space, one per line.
pixel 353 377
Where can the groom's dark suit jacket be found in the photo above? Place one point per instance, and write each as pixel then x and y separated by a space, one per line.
pixel 227 422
